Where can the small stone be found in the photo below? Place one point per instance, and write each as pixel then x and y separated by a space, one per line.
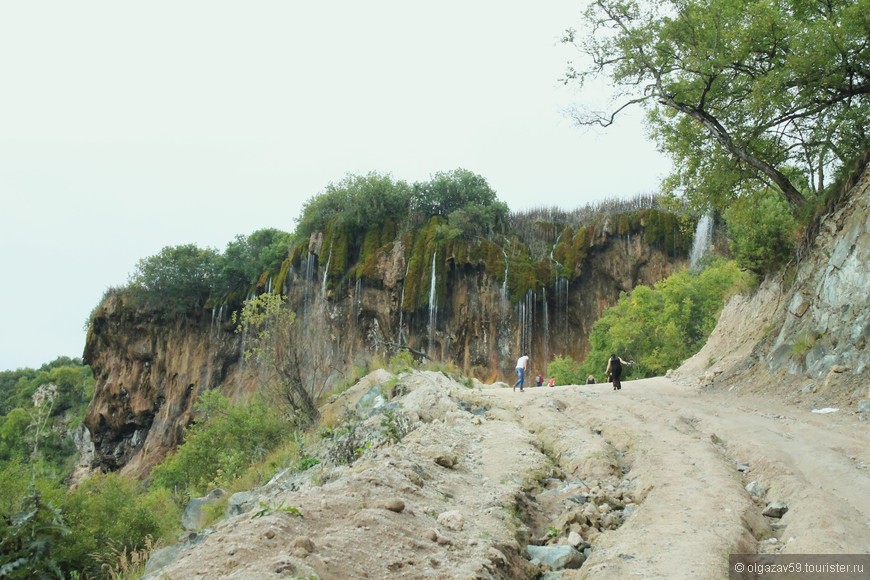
pixel 284 566
pixel 575 539
pixel 432 535
pixel 755 489
pixel 447 460
pixel 395 505
pixel 775 509
pixel 557 557
pixel 452 520
pixel 303 543
pixel 742 467
pixel 269 534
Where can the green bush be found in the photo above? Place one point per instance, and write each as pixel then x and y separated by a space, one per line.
pixel 31 538
pixel 762 232
pixel 220 446
pixel 175 281
pixel 402 362
pixel 662 326
pixel 566 371
pixel 247 257
pixel 108 513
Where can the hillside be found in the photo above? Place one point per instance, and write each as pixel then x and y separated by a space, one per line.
pixel 637 479
pixel 470 301
pixel 758 444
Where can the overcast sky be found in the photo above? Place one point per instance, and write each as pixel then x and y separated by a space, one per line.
pixel 127 127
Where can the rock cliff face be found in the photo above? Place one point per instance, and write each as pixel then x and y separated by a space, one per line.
pixel 148 376
pixel 149 373
pixel 805 333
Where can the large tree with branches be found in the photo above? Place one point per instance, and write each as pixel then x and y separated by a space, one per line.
pixel 738 92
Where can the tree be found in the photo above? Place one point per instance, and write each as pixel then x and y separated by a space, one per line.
pixel 761 232
pixel 246 257
pixel 356 204
pixel 660 327
pixel 292 355
pixel 737 91
pixel 449 191
pixel 220 445
pixel 177 280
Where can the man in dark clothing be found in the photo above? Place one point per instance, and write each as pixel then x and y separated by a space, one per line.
pixel 614 370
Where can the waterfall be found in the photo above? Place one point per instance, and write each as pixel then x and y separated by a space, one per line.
pixel 562 304
pixel 325 274
pixel 702 241
pixel 402 338
pixel 504 285
pixel 526 322
pixel 309 276
pixel 357 298
pixel 269 286
pixel 530 321
pixel 546 329
pixel 433 307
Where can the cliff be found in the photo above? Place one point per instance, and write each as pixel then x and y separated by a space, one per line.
pixel 471 303
pixel 803 335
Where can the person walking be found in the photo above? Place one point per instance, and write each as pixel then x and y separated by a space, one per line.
pixel 614 370
pixel 522 367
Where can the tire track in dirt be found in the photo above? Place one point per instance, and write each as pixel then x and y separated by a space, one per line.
pixel 693 511
pixel 815 464
pixel 683 448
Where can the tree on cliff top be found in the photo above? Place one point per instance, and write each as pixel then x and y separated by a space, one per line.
pixel 739 92
pixel 177 280
pixel 360 203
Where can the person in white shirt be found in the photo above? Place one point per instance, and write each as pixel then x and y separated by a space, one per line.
pixel 522 367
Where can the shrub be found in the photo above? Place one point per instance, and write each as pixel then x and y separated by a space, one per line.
pixel 660 327
pixel 220 446
pixel 762 232
pixel 107 514
pixel 175 281
pixel 566 371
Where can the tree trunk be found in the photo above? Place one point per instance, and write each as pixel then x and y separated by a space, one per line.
pixel 794 198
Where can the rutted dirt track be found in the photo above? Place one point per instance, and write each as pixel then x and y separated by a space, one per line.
pixel 652 479
pixel 692 454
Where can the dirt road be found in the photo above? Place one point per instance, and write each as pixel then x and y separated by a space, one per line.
pixel 691 456
pixel 646 482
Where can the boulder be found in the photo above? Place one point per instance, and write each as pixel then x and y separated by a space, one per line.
pixel 755 489
pixel 452 520
pixel 557 557
pixel 194 518
pixel 775 509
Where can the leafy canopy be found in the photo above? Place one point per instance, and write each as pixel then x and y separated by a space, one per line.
pixel 660 327
pixel 177 280
pixel 740 93
pixel 361 203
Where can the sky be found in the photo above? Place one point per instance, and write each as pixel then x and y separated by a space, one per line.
pixel 128 127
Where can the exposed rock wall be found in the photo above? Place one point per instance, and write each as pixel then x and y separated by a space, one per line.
pixel 148 376
pixel 805 332
pixel 149 373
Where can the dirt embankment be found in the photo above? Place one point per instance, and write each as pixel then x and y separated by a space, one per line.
pixel 566 482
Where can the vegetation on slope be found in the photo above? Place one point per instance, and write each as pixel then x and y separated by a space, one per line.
pixel 46 530
pixel 657 327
